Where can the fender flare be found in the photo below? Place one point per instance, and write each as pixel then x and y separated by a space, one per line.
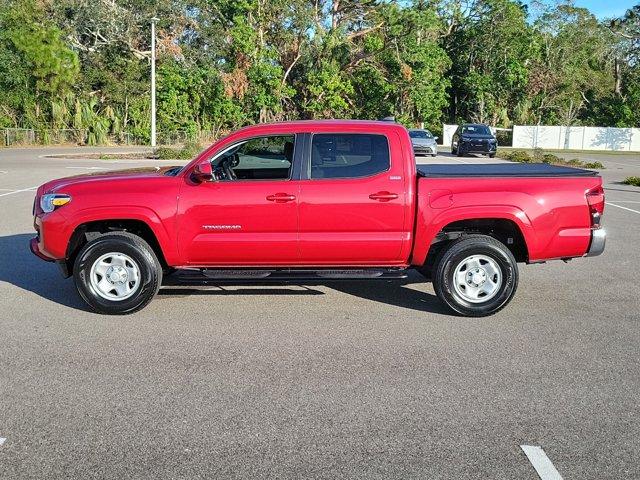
pixel 427 229
pixel 123 212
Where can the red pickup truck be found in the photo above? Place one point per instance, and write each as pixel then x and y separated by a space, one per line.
pixel 316 200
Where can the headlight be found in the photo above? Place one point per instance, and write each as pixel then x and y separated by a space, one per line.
pixel 51 201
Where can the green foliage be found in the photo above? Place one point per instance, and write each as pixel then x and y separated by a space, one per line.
pixel 540 156
pixel 594 165
pixel 519 156
pixel 635 181
pixel 223 64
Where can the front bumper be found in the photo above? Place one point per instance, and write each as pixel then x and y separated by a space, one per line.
pixel 478 147
pixel 598 240
pixel 34 245
pixel 425 150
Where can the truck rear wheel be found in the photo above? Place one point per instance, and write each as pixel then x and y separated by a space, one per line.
pixel 117 273
pixel 475 275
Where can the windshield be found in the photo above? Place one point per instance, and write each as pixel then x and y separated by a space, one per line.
pixel 420 134
pixel 476 129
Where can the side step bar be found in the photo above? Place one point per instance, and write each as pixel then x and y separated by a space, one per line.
pixel 208 276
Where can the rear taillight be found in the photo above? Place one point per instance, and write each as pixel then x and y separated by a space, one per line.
pixel 595 200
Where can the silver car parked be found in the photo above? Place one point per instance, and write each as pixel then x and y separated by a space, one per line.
pixel 424 143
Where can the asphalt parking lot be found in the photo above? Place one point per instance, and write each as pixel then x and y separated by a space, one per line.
pixel 343 380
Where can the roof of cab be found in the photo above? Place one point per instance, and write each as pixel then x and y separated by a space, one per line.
pixel 323 124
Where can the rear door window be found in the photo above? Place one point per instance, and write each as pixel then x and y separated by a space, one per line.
pixel 348 155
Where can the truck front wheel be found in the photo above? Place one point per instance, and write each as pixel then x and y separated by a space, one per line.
pixel 117 273
pixel 475 275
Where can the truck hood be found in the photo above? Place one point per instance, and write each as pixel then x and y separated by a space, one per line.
pixel 134 173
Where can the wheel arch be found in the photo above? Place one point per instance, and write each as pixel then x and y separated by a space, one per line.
pixel 510 227
pixel 88 230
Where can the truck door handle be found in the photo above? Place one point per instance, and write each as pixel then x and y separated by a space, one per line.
pixel 281 198
pixel 383 196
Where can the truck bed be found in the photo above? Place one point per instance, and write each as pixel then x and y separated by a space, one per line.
pixel 502 170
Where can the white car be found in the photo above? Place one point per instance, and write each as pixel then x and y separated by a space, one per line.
pixel 424 143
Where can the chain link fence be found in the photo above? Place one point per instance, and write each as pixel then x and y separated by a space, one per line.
pixel 16 137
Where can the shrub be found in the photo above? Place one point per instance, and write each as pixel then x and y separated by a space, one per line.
pixel 597 165
pixel 167 153
pixel 190 150
pixel 538 154
pixel 187 152
pixel 519 156
pixel 551 158
pixel 635 181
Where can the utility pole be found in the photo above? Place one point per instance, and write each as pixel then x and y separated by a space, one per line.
pixel 153 80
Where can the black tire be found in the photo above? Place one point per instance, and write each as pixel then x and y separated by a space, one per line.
pixel 150 272
pixel 491 155
pixel 458 152
pixel 434 155
pixel 454 254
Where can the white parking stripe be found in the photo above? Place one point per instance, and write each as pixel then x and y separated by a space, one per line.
pixel 30 189
pixel 2 440
pixel 540 461
pixel 624 208
pixel 86 168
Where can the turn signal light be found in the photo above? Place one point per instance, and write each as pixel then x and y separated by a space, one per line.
pixel 51 201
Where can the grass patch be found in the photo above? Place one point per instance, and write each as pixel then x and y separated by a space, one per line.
pixel 635 181
pixel 539 156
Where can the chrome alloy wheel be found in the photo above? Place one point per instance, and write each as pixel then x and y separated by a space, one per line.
pixel 115 276
pixel 477 278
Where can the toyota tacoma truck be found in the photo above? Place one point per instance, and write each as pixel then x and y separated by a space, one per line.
pixel 315 200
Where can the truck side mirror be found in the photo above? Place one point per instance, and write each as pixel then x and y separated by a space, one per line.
pixel 202 172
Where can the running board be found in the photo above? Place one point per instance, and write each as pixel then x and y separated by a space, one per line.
pixel 207 276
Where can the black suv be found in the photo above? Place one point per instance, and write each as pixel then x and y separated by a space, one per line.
pixel 474 138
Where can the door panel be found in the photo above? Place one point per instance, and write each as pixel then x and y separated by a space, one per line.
pixel 352 221
pixel 250 215
pixel 233 223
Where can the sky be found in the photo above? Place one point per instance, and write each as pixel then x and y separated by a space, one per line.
pixel 607 8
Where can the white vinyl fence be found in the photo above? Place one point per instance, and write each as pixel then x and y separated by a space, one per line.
pixel 447 133
pixel 576 138
pixel 567 138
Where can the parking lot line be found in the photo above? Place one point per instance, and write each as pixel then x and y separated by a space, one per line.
pixel 88 168
pixel 2 440
pixel 18 191
pixel 540 461
pixel 624 208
